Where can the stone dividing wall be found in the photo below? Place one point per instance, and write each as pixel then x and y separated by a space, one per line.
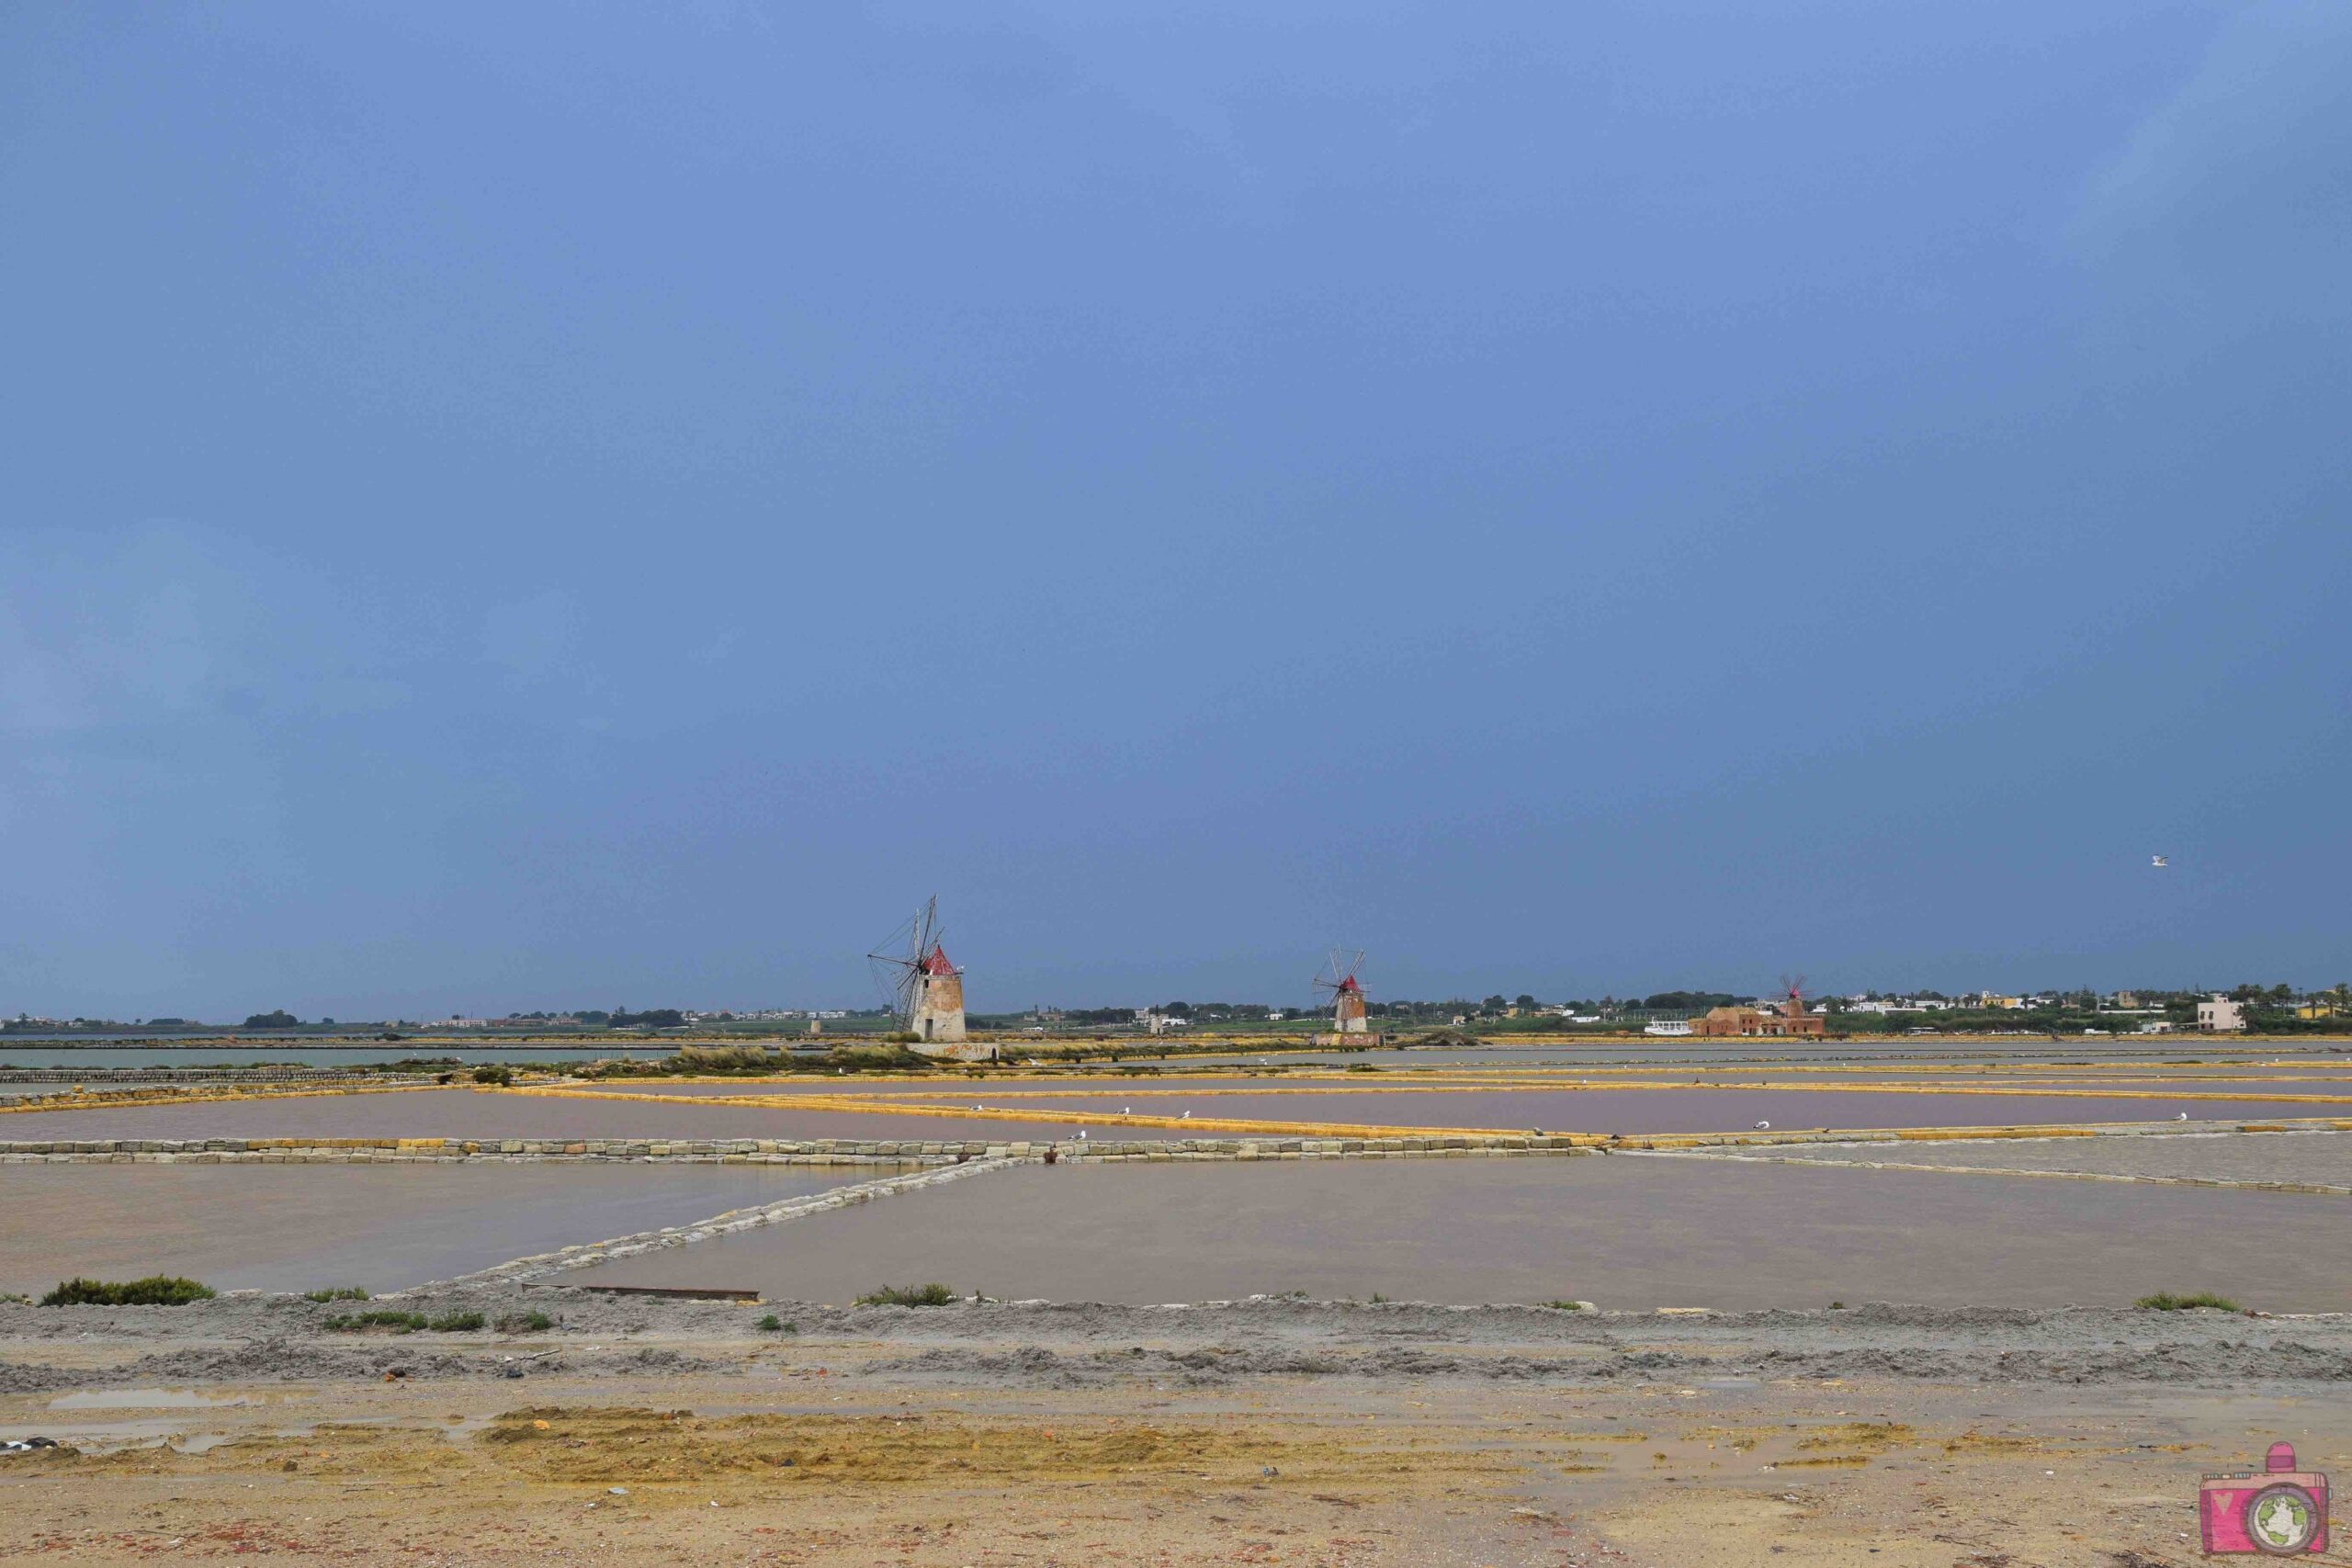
pixel 744 1151
pixel 930 1151
pixel 2240 1184
pixel 539 1265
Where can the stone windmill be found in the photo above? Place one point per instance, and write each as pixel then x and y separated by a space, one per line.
pixel 925 991
pixel 1337 985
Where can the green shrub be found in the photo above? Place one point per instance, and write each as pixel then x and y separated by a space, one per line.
pixel 776 1325
pixel 495 1073
pixel 892 1055
pixel 338 1293
pixel 2165 1300
pixel 932 1295
pixel 525 1323
pixel 382 1317
pixel 1565 1305
pixel 156 1289
pixel 400 1322
pixel 726 1059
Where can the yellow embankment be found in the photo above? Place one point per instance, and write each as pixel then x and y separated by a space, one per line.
pixel 892 1105
pixel 79 1098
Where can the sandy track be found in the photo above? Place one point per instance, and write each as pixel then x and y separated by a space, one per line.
pixel 1342 1434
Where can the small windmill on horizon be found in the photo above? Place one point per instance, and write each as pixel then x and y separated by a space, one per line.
pixel 1792 997
pixel 1340 988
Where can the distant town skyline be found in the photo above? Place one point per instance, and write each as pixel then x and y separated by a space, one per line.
pixel 1868 1001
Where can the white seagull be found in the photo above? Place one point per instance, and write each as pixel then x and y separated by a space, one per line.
pixel 2160 860
pixel 2181 1116
pixel 1763 1126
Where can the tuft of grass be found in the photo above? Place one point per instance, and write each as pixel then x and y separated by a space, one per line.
pixel 1837 1306
pixel 400 1322
pixel 525 1323
pixel 382 1317
pixel 932 1295
pixel 1564 1305
pixel 336 1293
pixel 156 1289
pixel 2165 1300
pixel 727 1059
pixel 496 1073
pixel 1377 1298
pixel 776 1325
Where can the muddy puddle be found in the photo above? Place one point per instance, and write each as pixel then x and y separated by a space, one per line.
pixel 145 1399
pixel 378 1228
pixel 1624 1232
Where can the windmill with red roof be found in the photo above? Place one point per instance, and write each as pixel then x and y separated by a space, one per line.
pixel 923 989
pixel 1339 982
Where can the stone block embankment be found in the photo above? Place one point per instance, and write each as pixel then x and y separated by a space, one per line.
pixel 752 1151
pixel 587 1255
pixel 936 1151
pixel 100 1079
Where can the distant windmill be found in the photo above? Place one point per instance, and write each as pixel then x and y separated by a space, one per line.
pixel 1792 997
pixel 921 989
pixel 1338 985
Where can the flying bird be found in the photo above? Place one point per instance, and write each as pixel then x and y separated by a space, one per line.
pixel 2160 860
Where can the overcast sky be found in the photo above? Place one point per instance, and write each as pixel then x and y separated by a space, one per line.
pixel 528 506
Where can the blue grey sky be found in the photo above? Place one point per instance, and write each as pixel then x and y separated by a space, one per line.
pixel 521 506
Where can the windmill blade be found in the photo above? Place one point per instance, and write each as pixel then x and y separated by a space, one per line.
pixel 894 984
pixel 896 965
pixel 1327 977
pixel 894 948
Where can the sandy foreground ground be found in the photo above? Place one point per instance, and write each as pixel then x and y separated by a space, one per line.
pixel 1259 1432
